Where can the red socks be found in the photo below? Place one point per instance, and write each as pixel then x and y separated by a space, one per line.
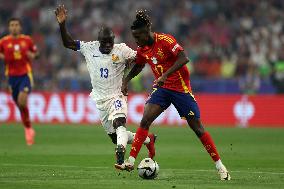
pixel 25 117
pixel 140 136
pixel 209 145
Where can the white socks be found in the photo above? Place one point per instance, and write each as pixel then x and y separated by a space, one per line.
pixel 122 136
pixel 219 164
pixel 131 137
pixel 131 160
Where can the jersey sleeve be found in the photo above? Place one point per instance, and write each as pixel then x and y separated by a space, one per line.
pixel 32 46
pixel 78 45
pixel 139 58
pixel 127 52
pixel 172 45
pixel 1 46
pixel 82 46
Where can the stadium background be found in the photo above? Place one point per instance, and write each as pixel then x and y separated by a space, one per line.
pixel 233 45
pixel 236 48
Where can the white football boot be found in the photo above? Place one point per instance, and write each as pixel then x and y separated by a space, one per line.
pixel 222 171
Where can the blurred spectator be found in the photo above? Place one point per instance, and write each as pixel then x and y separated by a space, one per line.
pixel 250 82
pixel 277 76
pixel 217 35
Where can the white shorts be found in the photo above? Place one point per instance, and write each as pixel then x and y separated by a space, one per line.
pixel 111 109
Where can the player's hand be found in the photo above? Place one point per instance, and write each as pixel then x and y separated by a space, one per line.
pixel 31 55
pixel 124 88
pixel 161 80
pixel 61 14
pixel 129 63
pixel 2 56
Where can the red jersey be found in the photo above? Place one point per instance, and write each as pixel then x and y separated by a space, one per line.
pixel 15 51
pixel 161 56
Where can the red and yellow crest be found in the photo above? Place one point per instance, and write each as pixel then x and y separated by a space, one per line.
pixel 114 58
pixel 160 53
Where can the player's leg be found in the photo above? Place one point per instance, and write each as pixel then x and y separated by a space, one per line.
pixel 155 105
pixel 122 138
pixel 131 136
pixel 149 142
pixel 113 138
pixel 188 109
pixel 24 111
pixel 151 112
pixel 209 145
pixel 22 105
pixel 21 87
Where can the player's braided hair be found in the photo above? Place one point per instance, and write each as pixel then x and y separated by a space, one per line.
pixel 142 19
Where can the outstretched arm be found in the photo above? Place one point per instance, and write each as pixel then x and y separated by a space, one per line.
pixel 137 68
pixel 61 16
pixel 181 61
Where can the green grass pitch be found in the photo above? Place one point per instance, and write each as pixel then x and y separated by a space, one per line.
pixel 82 157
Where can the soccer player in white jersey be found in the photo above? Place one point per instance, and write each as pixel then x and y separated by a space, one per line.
pixel 106 63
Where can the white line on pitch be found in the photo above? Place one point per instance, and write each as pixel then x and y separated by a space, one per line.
pixel 63 166
pixel 237 171
pixel 188 170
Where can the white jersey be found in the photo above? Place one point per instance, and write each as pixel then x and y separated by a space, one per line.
pixel 106 70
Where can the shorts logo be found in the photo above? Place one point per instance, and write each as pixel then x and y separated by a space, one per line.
pixel 191 113
pixel 117 104
pixel 26 89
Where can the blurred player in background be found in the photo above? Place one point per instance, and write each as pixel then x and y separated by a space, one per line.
pixel 17 51
pixel 106 63
pixel 168 63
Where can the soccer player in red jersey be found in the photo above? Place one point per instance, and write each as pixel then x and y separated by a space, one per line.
pixel 168 63
pixel 17 51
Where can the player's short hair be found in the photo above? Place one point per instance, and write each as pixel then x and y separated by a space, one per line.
pixel 14 19
pixel 105 30
pixel 142 20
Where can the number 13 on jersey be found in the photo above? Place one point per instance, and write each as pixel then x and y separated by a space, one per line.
pixel 104 72
pixel 117 104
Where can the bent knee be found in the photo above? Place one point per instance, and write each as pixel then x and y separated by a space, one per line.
pixel 21 104
pixel 119 122
pixel 145 123
pixel 113 138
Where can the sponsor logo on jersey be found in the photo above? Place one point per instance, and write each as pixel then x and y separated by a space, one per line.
pixel 23 44
pixel 10 45
pixel 154 60
pixel 160 53
pixel 16 47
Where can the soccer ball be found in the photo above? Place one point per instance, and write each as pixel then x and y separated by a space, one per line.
pixel 148 169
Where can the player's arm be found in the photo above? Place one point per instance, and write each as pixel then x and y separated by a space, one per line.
pixel 136 69
pixel 129 55
pixel 32 53
pixel 181 61
pixel 2 56
pixel 61 16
